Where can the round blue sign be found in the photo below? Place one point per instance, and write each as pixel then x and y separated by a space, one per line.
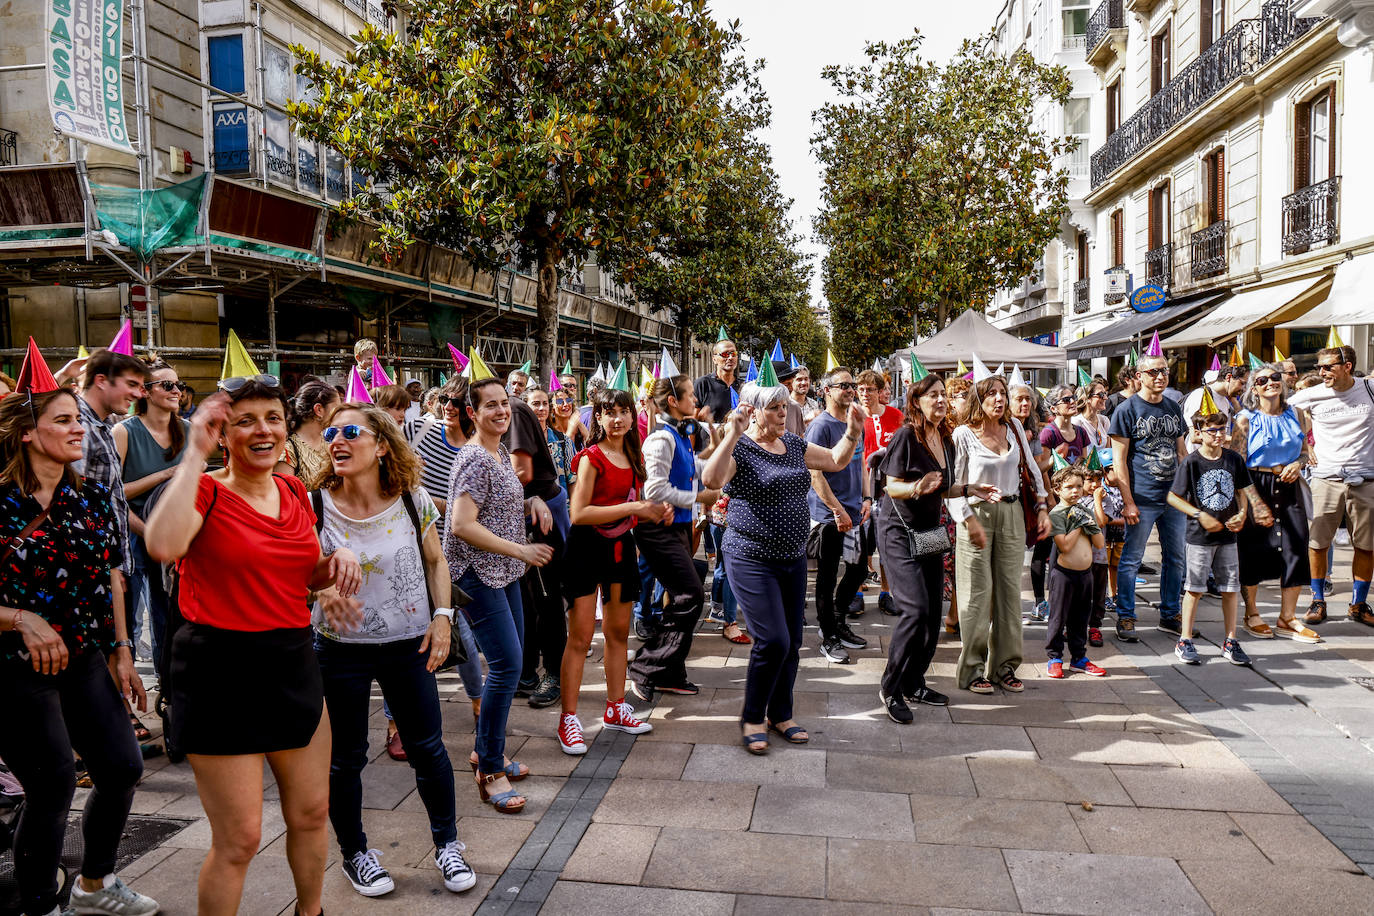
pixel 1148 298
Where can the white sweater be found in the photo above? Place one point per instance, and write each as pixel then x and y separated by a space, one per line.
pixel 976 463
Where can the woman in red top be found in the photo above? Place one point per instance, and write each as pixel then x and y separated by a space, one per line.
pixel 248 558
pixel 601 558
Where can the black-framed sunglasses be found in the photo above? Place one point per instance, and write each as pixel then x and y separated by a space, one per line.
pixel 350 432
pixel 238 381
pixel 1261 380
pixel 1067 399
pixel 1155 373
pixel 456 403
pixel 1328 367
pixel 167 385
pixel 843 386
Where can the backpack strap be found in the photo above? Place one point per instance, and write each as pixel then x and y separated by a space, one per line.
pixel 317 503
pixel 409 502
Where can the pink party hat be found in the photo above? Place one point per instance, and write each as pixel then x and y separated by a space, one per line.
pixel 459 359
pixel 123 341
pixel 1216 363
pixel 379 376
pixel 357 391
pixel 554 383
pixel 1154 349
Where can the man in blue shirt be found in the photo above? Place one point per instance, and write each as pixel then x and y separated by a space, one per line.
pixel 1148 433
pixel 839 504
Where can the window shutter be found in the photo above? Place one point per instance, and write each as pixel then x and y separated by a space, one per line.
pixel 1331 130
pixel 1205 38
pixel 1302 145
pixel 1168 67
pixel 1118 238
pixel 1219 184
pixel 1150 220
pixel 1155 81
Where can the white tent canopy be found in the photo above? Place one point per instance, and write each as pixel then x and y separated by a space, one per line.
pixel 971 333
pixel 1349 299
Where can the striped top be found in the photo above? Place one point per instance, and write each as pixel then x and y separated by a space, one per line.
pixel 436 455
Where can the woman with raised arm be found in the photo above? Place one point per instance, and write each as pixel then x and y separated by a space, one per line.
pixel 247 560
pixel 766 472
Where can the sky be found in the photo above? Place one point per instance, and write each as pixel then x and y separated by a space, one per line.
pixel 799 37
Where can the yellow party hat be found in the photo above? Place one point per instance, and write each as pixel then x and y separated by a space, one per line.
pixel 477 368
pixel 82 353
pixel 831 364
pixel 961 369
pixel 1208 405
pixel 237 362
pixel 1333 339
pixel 1278 356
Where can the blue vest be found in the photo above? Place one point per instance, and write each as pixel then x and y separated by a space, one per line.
pixel 683 474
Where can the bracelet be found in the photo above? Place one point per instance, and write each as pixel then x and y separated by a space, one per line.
pixel 124 644
pixel 1041 507
pixel 444 612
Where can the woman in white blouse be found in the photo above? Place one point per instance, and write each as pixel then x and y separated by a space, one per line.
pixel 988 450
pixel 1092 402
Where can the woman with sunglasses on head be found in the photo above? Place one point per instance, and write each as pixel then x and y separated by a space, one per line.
pixel 1272 436
pixel 487 554
pixel 149 446
pixel 602 560
pixel 564 418
pixel 305 455
pixel 372 501
pixel 248 559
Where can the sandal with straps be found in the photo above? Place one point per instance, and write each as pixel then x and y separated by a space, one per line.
pixel 1261 630
pixel 790 734
pixel 756 744
pixel 514 769
pixel 1012 682
pixel 141 732
pixel 505 802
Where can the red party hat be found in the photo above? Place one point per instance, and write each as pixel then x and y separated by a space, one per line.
pixel 35 377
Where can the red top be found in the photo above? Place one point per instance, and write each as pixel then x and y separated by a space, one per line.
pixel 245 570
pixel 879 430
pixel 614 486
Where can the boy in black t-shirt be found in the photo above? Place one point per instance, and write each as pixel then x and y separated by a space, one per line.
pixel 1211 487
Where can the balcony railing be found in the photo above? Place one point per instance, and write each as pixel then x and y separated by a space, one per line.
pixel 9 147
pixel 1075 42
pixel 1081 290
pixel 1311 215
pixel 1159 266
pixel 1106 17
pixel 1240 52
pixel 1209 250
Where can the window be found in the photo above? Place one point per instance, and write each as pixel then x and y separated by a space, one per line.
pixel 1159 216
pixel 1113 106
pixel 277 79
pixel 1082 251
pixel 1118 238
pixel 226 62
pixel 1076 117
pixel 1214 186
pixel 1211 23
pixel 1161 63
pixel 229 131
pixel 1315 139
pixel 1075 17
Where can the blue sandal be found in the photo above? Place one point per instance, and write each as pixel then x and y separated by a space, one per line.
pixel 515 770
pixel 505 802
pixel 752 742
pixel 790 734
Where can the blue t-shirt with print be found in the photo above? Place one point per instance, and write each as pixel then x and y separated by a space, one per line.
pixel 846 484
pixel 1153 451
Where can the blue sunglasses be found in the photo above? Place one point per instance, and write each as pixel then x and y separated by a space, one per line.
pixel 350 432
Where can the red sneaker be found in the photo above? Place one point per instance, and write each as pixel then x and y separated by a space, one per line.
pixel 621 717
pixel 1095 637
pixel 570 735
pixel 1087 667
pixel 1056 668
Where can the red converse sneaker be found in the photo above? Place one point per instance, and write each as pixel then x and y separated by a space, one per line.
pixel 570 735
pixel 621 717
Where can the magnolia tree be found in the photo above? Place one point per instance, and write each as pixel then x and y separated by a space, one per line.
pixel 937 189
pixel 538 131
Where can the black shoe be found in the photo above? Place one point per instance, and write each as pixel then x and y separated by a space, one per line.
pixel 525 688
pixel 897 710
pixel 856 607
pixel 641 690
pixel 685 689
pixel 929 697
pixel 887 605
pixel 550 691
pixel 1172 625
pixel 848 638
pixel 644 628
pixel 1125 629
pixel 832 650
pixel 1146 570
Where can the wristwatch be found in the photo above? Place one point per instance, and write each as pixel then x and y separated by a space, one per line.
pixel 124 644
pixel 444 612
pixel 1197 514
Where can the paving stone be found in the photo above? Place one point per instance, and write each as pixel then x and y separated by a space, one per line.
pixel 966 741
pixel 570 898
pixel 899 773
pixel 1036 780
pixel 267 890
pixel 1289 839
pixel 865 706
pixel 539 791
pixel 612 854
pixel 1163 832
pixel 1194 751
pixel 833 812
pixel 541 754
pixel 783 765
pixel 1049 713
pixel 419 892
pixel 385 787
pixel 656 760
pixel 492 842
pixel 1087 884
pixel 661 803
pixel 756 905
pixel 853 735
pixel 740 862
pixel 1290 890
pixel 872 870
pixel 1061 744
pixel 1210 790
pixel 1008 823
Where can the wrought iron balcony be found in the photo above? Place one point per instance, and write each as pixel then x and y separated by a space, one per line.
pixel 1209 250
pixel 1244 48
pixel 1081 290
pixel 1159 266
pixel 9 147
pixel 1105 18
pixel 1311 215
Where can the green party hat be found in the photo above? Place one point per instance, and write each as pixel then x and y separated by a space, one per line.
pixel 621 380
pixel 918 371
pixel 722 335
pixel 1133 357
pixel 768 378
pixel 1255 362
pixel 1084 379
pixel 1094 462
pixel 567 368
pixel 1060 462
pixel 525 368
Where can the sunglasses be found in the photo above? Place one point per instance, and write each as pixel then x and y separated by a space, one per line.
pixel 167 385
pixel 728 354
pixel 1155 373
pixel 455 402
pixel 350 432
pixel 843 386
pixel 236 382
pixel 1328 367
pixel 561 401
pixel 1261 380
pixel 1070 399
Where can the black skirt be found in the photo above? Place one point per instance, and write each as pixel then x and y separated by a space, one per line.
pixel 243 692
pixel 1279 551
pixel 594 560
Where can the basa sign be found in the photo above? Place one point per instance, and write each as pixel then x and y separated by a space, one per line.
pixel 85 40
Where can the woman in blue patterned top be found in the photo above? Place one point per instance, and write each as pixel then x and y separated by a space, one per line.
pixel 767 474
pixel 60 644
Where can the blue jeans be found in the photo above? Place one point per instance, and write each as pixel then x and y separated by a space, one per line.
pixel 1169 522
pixel 348 670
pixel 498 622
pixel 721 593
pixel 776 593
pixel 145 589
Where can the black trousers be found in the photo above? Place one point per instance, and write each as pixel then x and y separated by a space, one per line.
pixel 916 584
pixel 42 718
pixel 662 660
pixel 541 595
pixel 832 600
pixel 1040 560
pixel 1100 584
pixel 1071 599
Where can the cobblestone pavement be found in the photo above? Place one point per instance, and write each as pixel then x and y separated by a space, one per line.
pixel 1156 789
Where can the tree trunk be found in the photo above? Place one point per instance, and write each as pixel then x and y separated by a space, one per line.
pixel 684 349
pixel 546 303
pixel 941 315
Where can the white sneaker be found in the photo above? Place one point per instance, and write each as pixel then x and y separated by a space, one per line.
pixel 114 899
pixel 366 874
pixel 458 875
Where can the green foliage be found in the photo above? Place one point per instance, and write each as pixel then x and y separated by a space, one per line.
pixel 540 131
pixel 937 190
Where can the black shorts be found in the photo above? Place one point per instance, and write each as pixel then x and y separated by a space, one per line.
pixel 595 561
pixel 223 680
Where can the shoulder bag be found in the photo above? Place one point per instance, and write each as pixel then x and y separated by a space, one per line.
pixel 1028 494
pixel 14 543
pixel 927 542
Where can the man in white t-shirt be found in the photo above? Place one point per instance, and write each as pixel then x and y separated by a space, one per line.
pixel 416 392
pixel 1342 411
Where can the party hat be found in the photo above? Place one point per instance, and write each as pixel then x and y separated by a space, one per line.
pixel 237 362
pixel 1084 379
pixel 1255 362
pixel 753 374
pixel 124 341
pixel 656 369
pixel 768 378
pixel 600 372
pixel 379 377
pixel 1278 356
pixel 646 378
pixel 722 335
pixel 567 368
pixel 35 377
pixel 961 369
pixel 1016 380
pixel 443 380
pixel 1333 339
pixel 1154 349
pixel 477 368
pixel 1133 357
pixel 1235 359
pixel 554 383
pixel 1208 405
pixel 1094 462
pixel 82 353
pixel 1044 392
pixel 918 371
pixel 357 391
pixel 526 368
pixel 1000 370
pixel 1216 363
pixel 734 398
pixel 1060 462
pixel 666 367
pixel 621 380
pixel 980 371
pixel 877 365
pixel 793 362
pixel 830 362
pixel 776 355
pixel 459 360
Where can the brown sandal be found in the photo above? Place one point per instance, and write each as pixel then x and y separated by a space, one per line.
pixel 508 802
pixel 1261 630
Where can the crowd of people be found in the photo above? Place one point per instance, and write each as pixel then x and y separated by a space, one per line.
pixel 341 539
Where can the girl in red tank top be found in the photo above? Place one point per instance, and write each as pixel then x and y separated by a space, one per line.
pixel 601 561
